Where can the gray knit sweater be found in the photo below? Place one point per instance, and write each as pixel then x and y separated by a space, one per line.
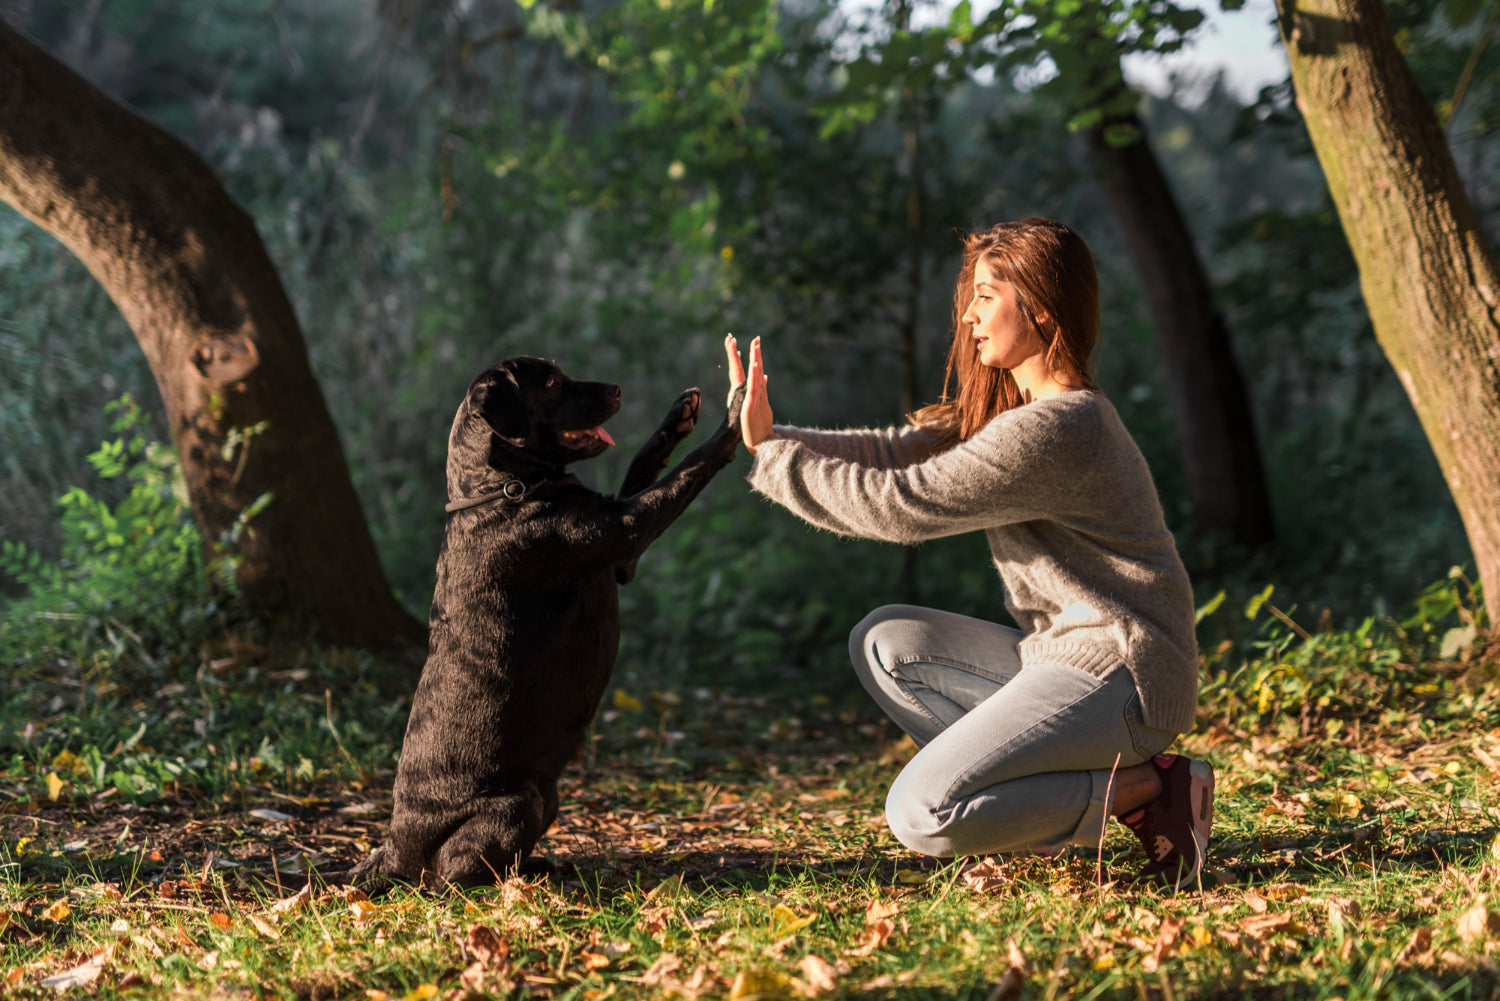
pixel 1065 498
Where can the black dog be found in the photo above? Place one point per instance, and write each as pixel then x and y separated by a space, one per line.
pixel 525 620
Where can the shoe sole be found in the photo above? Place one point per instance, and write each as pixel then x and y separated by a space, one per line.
pixel 1201 795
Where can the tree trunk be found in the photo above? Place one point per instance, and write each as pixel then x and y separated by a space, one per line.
pixel 1219 451
pixel 1428 277
pixel 187 269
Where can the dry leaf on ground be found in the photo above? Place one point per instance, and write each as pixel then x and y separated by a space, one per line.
pixel 1477 923
pixel 84 974
pixel 819 976
pixel 986 876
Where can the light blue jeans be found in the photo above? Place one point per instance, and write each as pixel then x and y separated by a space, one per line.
pixel 1009 759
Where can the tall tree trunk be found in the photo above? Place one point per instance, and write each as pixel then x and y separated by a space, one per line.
pixel 1428 277
pixel 187 269
pixel 1217 430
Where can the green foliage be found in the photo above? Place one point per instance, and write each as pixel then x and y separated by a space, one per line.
pixel 130 574
pixel 1384 665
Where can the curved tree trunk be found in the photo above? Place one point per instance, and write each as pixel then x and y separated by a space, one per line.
pixel 187 269
pixel 1219 450
pixel 1428 277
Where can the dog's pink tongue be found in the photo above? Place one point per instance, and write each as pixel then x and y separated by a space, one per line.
pixel 603 434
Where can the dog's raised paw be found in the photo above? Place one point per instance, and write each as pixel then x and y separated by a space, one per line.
pixel 685 411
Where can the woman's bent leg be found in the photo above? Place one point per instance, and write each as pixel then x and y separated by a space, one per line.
pixel 926 668
pixel 1027 768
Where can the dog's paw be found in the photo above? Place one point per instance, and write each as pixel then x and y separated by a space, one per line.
pixel 684 413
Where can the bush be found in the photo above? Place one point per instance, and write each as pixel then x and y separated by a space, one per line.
pixel 130 577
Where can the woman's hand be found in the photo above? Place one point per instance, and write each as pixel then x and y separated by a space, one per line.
pixel 755 419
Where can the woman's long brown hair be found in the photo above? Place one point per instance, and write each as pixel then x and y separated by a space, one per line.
pixel 1053 273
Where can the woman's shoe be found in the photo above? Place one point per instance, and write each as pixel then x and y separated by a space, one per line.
pixel 1174 827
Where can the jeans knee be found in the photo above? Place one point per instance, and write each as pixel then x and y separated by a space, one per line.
pixel 869 644
pixel 918 825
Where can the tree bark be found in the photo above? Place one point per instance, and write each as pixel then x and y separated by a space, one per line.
pixel 1217 430
pixel 1429 279
pixel 187 269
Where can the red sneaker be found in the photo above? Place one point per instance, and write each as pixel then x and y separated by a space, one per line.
pixel 1174 827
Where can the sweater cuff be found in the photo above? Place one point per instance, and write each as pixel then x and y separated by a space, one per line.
pixel 765 455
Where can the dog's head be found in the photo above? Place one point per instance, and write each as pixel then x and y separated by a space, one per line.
pixel 524 413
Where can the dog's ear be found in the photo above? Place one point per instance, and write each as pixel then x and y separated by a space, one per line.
pixel 498 401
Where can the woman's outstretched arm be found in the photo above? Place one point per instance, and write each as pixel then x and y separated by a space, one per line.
pixel 879 448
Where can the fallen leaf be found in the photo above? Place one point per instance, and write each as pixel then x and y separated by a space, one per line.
pixel 878 928
pixel 265 814
pixel 1166 944
pixel 82 975
pixel 58 911
pixel 986 876
pixel 785 921
pixel 912 877
pixel 489 949
pixel 1477 923
pixel 288 904
pixel 363 910
pixel 667 963
pixel 421 992
pixel 220 920
pixel 819 976
pixel 1345 805
pixel 667 888
pixel 1343 909
pixel 1262 925
pixel 748 983
pixel 1418 948
pixel 54 787
pixel 263 927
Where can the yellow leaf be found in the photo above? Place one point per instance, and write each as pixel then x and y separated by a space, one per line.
pixel 1105 961
pixel 421 992
pixel 912 876
pixel 1345 804
pixel 363 910
pixel 785 921
pixel 220 920
pixel 67 761
pixel 667 888
pixel 54 786
pixel 58 911
pixel 625 701
pixel 748 983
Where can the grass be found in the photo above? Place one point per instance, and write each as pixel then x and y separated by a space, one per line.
pixel 714 843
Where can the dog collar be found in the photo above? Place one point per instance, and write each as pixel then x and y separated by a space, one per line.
pixel 513 490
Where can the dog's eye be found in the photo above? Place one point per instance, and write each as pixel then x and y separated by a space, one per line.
pixel 551 381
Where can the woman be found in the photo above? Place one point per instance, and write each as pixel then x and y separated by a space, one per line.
pixel 1029 738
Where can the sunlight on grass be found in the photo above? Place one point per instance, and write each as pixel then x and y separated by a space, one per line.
pixel 717 844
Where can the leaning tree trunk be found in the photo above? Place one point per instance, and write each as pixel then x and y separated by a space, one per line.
pixel 187 269
pixel 1217 431
pixel 1428 278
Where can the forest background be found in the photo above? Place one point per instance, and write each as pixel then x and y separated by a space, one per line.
pixel 443 185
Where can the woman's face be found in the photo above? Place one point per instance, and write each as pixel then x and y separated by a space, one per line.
pixel 1003 336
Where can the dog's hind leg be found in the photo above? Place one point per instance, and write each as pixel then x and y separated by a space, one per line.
pixel 494 842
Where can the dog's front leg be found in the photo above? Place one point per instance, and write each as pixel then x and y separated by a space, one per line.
pixel 654 455
pixel 647 514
